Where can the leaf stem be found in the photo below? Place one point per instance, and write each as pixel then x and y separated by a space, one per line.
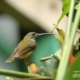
pixel 20 74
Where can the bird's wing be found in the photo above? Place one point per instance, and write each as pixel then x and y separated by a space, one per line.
pixel 24 47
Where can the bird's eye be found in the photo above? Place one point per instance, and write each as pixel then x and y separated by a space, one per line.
pixel 33 34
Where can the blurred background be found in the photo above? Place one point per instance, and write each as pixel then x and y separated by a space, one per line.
pixel 18 17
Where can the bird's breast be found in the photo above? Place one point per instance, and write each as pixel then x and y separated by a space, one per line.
pixel 26 55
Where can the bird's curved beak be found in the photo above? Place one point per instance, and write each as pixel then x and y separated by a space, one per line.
pixel 45 34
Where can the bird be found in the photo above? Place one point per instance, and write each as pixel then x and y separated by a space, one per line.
pixel 26 47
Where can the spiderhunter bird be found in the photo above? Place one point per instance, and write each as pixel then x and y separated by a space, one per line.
pixel 26 47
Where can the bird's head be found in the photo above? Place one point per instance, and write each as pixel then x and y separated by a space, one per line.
pixel 32 35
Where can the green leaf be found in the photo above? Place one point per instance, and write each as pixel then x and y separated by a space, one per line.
pixel 73 72
pixel 77 6
pixel 59 38
pixel 61 35
pixel 66 7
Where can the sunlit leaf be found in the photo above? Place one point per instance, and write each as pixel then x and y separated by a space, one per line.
pixel 66 7
pixel 61 32
pixel 61 35
pixel 59 38
pixel 77 6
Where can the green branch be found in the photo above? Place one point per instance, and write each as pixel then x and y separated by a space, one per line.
pixel 20 74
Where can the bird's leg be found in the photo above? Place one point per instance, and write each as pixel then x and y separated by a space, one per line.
pixel 26 61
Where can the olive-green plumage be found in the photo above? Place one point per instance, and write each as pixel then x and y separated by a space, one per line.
pixel 25 48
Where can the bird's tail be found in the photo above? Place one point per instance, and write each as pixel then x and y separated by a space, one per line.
pixel 10 59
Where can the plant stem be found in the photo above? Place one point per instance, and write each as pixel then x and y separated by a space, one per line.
pixel 67 47
pixel 19 74
pixel 70 20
